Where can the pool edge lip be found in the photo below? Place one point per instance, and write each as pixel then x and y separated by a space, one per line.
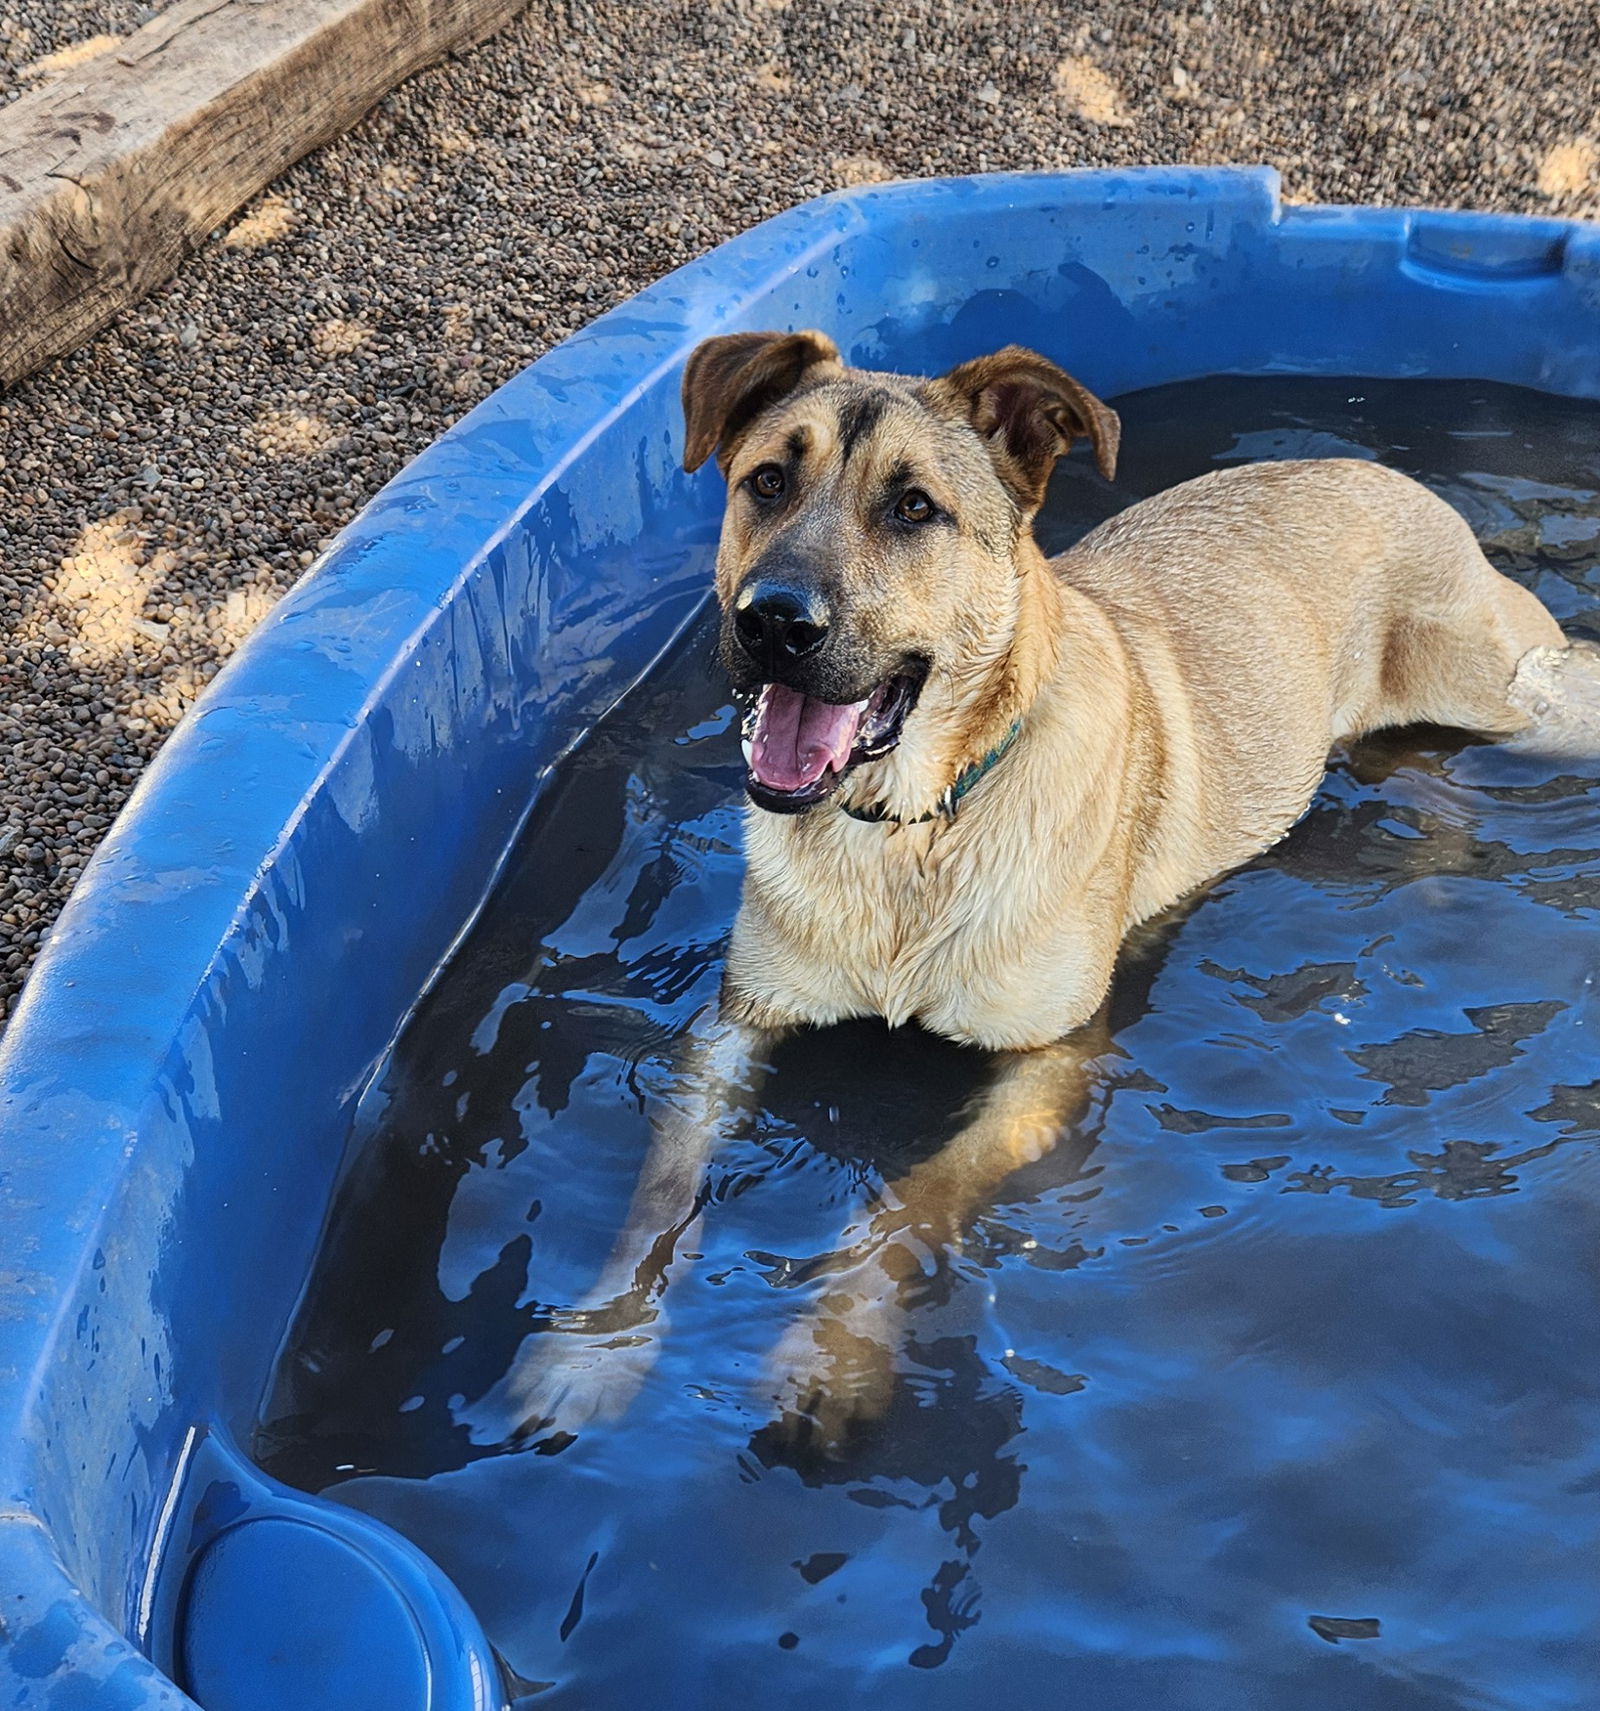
pixel 73 1081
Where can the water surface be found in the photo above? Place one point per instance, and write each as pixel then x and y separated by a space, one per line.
pixel 1275 1387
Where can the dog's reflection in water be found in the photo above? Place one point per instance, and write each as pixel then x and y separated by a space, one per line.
pixel 834 1370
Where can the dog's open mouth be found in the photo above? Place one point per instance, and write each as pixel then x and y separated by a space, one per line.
pixel 798 748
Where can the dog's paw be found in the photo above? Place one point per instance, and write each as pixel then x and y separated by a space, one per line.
pixel 564 1382
pixel 833 1371
pixel 1559 691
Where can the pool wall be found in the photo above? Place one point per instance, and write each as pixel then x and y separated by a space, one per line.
pixel 177 1087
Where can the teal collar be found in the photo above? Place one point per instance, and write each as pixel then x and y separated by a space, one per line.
pixel 951 800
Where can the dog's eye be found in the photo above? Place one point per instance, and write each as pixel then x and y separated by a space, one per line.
pixel 767 482
pixel 914 507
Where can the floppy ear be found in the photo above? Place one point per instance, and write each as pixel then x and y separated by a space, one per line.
pixel 1030 412
pixel 732 379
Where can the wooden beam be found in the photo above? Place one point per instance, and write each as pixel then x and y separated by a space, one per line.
pixel 113 171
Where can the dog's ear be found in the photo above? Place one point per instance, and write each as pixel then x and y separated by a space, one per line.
pixel 730 380
pixel 1030 412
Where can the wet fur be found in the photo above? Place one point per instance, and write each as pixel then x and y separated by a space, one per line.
pixel 1180 676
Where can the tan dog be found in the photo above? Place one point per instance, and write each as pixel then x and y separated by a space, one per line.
pixel 974 771
pixel 1174 682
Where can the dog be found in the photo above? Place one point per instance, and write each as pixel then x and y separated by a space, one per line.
pixel 973 771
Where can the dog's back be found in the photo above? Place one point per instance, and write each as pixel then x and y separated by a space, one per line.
pixel 1279 608
pixel 1278 580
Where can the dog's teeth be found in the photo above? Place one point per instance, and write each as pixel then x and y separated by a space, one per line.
pixel 749 750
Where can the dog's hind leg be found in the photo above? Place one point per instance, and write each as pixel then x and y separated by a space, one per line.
pixel 1451 656
pixel 1505 672
pixel 835 1367
pixel 593 1358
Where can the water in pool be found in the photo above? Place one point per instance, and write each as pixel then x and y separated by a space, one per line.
pixel 1274 1386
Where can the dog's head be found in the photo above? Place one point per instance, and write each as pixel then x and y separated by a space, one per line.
pixel 869 569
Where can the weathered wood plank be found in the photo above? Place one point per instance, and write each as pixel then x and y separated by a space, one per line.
pixel 112 172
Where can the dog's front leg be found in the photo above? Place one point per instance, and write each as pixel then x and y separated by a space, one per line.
pixel 836 1366
pixel 593 1358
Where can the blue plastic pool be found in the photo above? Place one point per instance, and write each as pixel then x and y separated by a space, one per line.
pixel 181 1079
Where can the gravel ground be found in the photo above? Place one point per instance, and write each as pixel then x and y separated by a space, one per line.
pixel 160 489
pixel 39 39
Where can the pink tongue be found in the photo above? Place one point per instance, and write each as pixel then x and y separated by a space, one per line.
pixel 798 738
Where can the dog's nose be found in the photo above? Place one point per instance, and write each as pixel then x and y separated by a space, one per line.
pixel 777 621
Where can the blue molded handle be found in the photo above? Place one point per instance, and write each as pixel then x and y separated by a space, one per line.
pixel 1484 248
pixel 264 1597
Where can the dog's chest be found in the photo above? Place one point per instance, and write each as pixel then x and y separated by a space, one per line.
pixel 883 915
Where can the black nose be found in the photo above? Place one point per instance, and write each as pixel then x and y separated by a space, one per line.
pixel 777 622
